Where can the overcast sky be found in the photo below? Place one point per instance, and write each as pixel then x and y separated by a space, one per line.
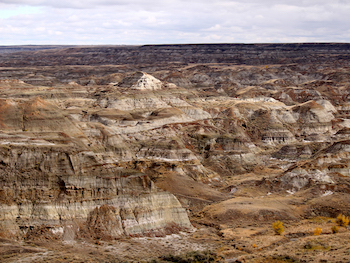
pixel 86 22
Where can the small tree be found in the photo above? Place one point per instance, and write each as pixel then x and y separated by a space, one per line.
pixel 278 227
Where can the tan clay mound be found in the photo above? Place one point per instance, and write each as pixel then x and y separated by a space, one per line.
pixel 244 210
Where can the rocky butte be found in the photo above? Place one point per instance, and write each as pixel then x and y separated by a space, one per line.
pixel 174 152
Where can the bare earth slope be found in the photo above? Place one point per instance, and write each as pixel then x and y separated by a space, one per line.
pixel 136 152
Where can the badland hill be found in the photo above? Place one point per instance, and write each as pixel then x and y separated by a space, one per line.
pixel 174 152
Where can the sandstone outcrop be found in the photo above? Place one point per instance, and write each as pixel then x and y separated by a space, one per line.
pixel 141 81
pixel 50 176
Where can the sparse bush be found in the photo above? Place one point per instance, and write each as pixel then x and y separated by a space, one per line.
pixel 192 257
pixel 335 229
pixel 278 227
pixel 342 220
pixel 317 231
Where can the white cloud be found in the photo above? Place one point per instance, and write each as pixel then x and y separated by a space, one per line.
pixel 172 21
pixel 11 11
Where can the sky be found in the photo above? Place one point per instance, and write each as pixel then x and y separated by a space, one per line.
pixel 135 22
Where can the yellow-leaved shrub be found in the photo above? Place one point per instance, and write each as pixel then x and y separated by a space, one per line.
pixel 335 229
pixel 342 220
pixel 317 231
pixel 278 227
